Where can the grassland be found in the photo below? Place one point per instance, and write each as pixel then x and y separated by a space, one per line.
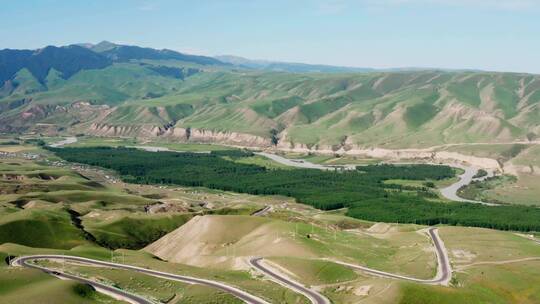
pixel 491 266
pixel 113 214
pixel 395 110
pixel 222 240
pixel 156 288
pixel 42 206
pixel 124 230
pixel 316 272
pixel 27 286
pixel 31 286
pixel 520 162
pixel 522 190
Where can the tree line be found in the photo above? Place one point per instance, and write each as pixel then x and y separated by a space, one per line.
pixel 363 191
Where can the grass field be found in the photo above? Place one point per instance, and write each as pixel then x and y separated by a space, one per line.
pixel 19 285
pixel 156 289
pixel 161 289
pixel 117 229
pixel 490 266
pixel 242 236
pixel 316 272
pixel 522 190
pixel 520 186
pixel 40 228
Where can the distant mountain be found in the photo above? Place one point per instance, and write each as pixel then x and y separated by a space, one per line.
pixel 124 53
pixel 68 88
pixel 295 67
pixel 67 60
pixel 292 67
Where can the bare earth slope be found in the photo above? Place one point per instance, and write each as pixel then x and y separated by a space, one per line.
pixel 207 240
pixel 295 111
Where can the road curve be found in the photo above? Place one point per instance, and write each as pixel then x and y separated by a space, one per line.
pixel 263 211
pixel 242 295
pixel 465 179
pixel 313 296
pixel 300 163
pixel 449 192
pixel 444 269
pixel 122 294
pixel 67 141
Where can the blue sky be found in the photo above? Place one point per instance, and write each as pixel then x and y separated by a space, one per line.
pixel 501 35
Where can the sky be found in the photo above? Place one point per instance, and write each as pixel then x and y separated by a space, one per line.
pixel 495 35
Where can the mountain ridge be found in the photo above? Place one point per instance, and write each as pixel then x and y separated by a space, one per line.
pixel 164 97
pixel 71 59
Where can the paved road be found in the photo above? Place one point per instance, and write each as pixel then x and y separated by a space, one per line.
pixel 313 296
pixel 244 296
pixel 263 211
pixel 300 163
pixel 449 192
pixel 444 269
pixel 466 178
pixel 122 294
pixel 152 148
pixel 67 141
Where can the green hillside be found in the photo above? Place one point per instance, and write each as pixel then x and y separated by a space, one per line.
pixel 147 98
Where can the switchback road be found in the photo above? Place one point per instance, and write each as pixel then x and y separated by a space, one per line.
pixel 114 292
pixel 444 269
pixel 313 296
pixel 24 261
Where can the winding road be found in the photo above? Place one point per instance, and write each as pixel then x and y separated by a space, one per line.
pixel 313 296
pixel 67 141
pixel 24 261
pixel 263 211
pixel 444 269
pixel 466 178
pixel 449 192
pixel 300 163
pixel 443 276
pixel 106 289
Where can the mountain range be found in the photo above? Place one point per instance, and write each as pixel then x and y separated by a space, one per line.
pixel 117 90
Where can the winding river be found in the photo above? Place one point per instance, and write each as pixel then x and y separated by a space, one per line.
pixel 449 192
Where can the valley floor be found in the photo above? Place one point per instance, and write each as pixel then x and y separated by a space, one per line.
pixel 48 206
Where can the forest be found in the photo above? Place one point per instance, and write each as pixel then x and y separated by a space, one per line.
pixel 362 191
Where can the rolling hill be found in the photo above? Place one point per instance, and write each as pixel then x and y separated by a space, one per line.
pixel 141 92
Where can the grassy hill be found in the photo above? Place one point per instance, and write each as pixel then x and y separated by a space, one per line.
pixel 153 98
pixel 50 206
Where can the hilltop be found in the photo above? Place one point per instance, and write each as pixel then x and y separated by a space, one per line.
pixel 116 90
